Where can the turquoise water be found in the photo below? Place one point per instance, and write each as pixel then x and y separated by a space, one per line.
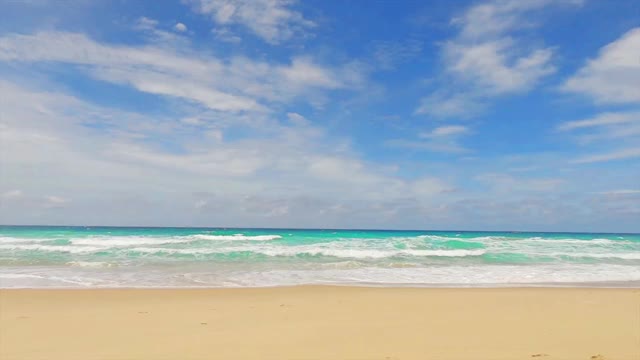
pixel 197 257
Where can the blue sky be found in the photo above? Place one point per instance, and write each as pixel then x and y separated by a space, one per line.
pixel 469 115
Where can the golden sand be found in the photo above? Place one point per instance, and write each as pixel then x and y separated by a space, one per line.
pixel 321 323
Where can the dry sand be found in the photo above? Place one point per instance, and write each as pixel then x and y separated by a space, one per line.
pixel 321 323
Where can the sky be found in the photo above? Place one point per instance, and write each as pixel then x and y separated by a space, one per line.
pixel 465 115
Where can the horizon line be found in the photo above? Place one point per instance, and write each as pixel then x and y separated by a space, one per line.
pixel 319 229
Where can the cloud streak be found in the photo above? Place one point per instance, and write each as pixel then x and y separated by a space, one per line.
pixel 442 139
pixel 623 154
pixel 238 84
pixel 611 78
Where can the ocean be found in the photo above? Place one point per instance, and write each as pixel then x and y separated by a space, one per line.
pixel 113 257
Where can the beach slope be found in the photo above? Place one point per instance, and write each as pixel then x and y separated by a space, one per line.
pixel 321 323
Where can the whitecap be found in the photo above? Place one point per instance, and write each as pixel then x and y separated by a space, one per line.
pixel 90 264
pixel 53 248
pixel 236 237
pixel 624 256
pixel 8 239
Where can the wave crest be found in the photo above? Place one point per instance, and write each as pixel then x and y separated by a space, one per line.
pixel 236 237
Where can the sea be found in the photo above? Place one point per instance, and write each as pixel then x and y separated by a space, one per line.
pixel 153 257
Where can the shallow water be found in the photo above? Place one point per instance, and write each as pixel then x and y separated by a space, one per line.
pixel 196 257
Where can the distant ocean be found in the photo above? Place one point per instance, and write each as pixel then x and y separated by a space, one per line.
pixel 107 257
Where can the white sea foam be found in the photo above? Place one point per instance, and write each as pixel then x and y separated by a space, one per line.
pixel 53 248
pixel 154 250
pixel 477 275
pixel 449 275
pixel 364 254
pixel 13 240
pixel 129 241
pixel 625 256
pixel 53 278
pixel 20 276
pixel 90 264
pixel 236 237
pixel 504 239
pixel 576 241
pixel 334 249
pixel 311 250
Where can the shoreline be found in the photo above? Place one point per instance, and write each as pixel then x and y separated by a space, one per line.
pixel 320 322
pixel 631 284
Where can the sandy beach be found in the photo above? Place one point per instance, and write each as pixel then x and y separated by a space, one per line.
pixel 321 323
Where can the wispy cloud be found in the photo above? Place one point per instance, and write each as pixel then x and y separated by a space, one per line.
pixel 443 139
pixel 605 126
pixel 445 131
pixel 289 161
pixel 225 35
pixel 11 194
pixel 19 198
pixel 487 58
pixel 272 20
pixel 237 84
pixel 197 119
pixel 611 78
pixel 495 67
pixel 156 32
pixel 389 54
pixel 445 104
pixel 623 154
pixel 600 120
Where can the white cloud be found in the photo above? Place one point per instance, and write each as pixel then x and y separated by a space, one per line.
pixel 238 84
pixel 297 119
pixel 224 34
pixel 604 127
pixel 304 71
pixel 180 27
pixel 494 67
pixel 11 194
pixel 446 147
pixel 612 77
pixel 445 131
pixel 291 174
pixel 272 20
pixel 493 18
pixel 450 105
pixel 52 201
pixel 145 23
pixel 622 154
pixel 47 131
pixel 487 59
pixel 19 198
pixel 600 120
pixel 228 148
pixel 443 139
pixel 153 31
pixel 605 131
